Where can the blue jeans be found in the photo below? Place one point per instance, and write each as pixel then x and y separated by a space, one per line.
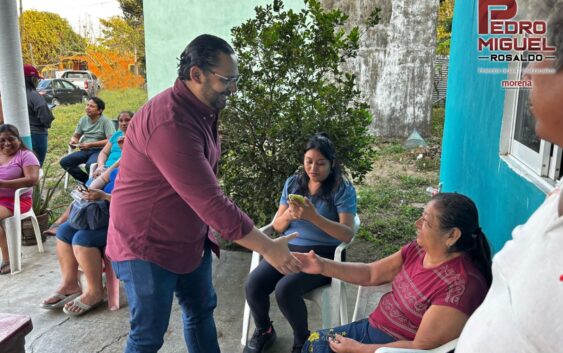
pixel 71 163
pixel 150 290
pixel 39 142
pixel 361 331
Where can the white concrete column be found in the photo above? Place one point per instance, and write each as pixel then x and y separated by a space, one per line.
pixel 12 84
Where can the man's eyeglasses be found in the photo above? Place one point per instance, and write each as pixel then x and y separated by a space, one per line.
pixel 227 80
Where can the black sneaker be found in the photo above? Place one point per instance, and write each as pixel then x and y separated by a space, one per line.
pixel 261 340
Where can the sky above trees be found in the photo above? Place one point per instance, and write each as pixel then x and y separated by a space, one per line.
pixel 82 15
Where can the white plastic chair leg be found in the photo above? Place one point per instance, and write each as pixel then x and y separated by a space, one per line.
pixel 13 237
pixel 37 232
pixel 246 315
pixel 66 181
pixel 245 324
pixel 343 306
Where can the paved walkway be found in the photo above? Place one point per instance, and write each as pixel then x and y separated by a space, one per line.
pixel 105 331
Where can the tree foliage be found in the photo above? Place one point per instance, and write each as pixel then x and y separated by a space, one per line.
pixel 119 36
pixel 134 16
pixel 133 11
pixel 292 85
pixel 47 36
pixel 444 28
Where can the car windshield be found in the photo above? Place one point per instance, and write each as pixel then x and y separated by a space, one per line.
pixel 44 84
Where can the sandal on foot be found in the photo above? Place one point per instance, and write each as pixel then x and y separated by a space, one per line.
pixel 84 308
pixel 52 230
pixel 62 300
pixel 5 268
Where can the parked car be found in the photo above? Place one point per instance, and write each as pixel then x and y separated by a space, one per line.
pixel 58 91
pixel 83 79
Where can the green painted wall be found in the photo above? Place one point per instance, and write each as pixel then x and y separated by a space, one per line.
pixel 170 25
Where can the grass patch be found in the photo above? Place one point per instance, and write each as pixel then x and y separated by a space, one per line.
pixel 66 118
pixel 438 117
pixel 388 210
pixel 393 197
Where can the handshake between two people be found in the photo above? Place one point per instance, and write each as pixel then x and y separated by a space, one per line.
pixel 287 262
pixel 276 251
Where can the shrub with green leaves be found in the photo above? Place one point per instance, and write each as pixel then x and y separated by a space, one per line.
pixel 292 85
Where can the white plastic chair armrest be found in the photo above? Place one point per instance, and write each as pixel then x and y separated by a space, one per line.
pixel 340 248
pixel 268 230
pixel 442 349
pixel 17 197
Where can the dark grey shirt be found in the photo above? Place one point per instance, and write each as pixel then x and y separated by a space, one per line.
pixel 40 116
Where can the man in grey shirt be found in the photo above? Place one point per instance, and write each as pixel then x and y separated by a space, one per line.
pixel 90 136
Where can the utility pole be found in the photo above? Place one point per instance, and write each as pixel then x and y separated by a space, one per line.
pixel 22 34
pixel 135 60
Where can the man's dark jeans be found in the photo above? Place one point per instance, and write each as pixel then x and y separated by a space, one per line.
pixel 71 163
pixel 39 142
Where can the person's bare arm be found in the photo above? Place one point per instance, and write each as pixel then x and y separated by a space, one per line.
pixel 282 219
pixel 30 178
pixel 90 145
pixel 274 251
pixel 103 157
pixel 74 140
pixel 373 274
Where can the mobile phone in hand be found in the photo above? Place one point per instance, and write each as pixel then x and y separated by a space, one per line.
pixel 82 187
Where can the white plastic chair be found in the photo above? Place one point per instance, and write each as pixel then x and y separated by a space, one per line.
pixel 367 300
pixel 331 298
pixel 13 229
pixel 82 165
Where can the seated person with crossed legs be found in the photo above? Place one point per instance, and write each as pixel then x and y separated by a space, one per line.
pixel 90 136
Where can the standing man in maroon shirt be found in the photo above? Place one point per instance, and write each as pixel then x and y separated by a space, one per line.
pixel 167 197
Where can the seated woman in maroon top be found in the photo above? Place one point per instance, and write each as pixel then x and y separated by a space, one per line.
pixel 437 282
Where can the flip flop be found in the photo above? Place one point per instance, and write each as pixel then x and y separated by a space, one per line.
pixel 84 307
pixel 63 299
pixel 52 230
pixel 5 268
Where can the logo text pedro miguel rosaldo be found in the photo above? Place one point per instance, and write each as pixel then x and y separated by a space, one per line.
pixel 503 39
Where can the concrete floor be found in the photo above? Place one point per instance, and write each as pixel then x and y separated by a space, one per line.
pixel 105 331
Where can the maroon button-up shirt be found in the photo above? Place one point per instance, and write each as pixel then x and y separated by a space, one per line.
pixel 167 193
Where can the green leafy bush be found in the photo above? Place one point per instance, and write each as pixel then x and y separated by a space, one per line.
pixel 292 86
